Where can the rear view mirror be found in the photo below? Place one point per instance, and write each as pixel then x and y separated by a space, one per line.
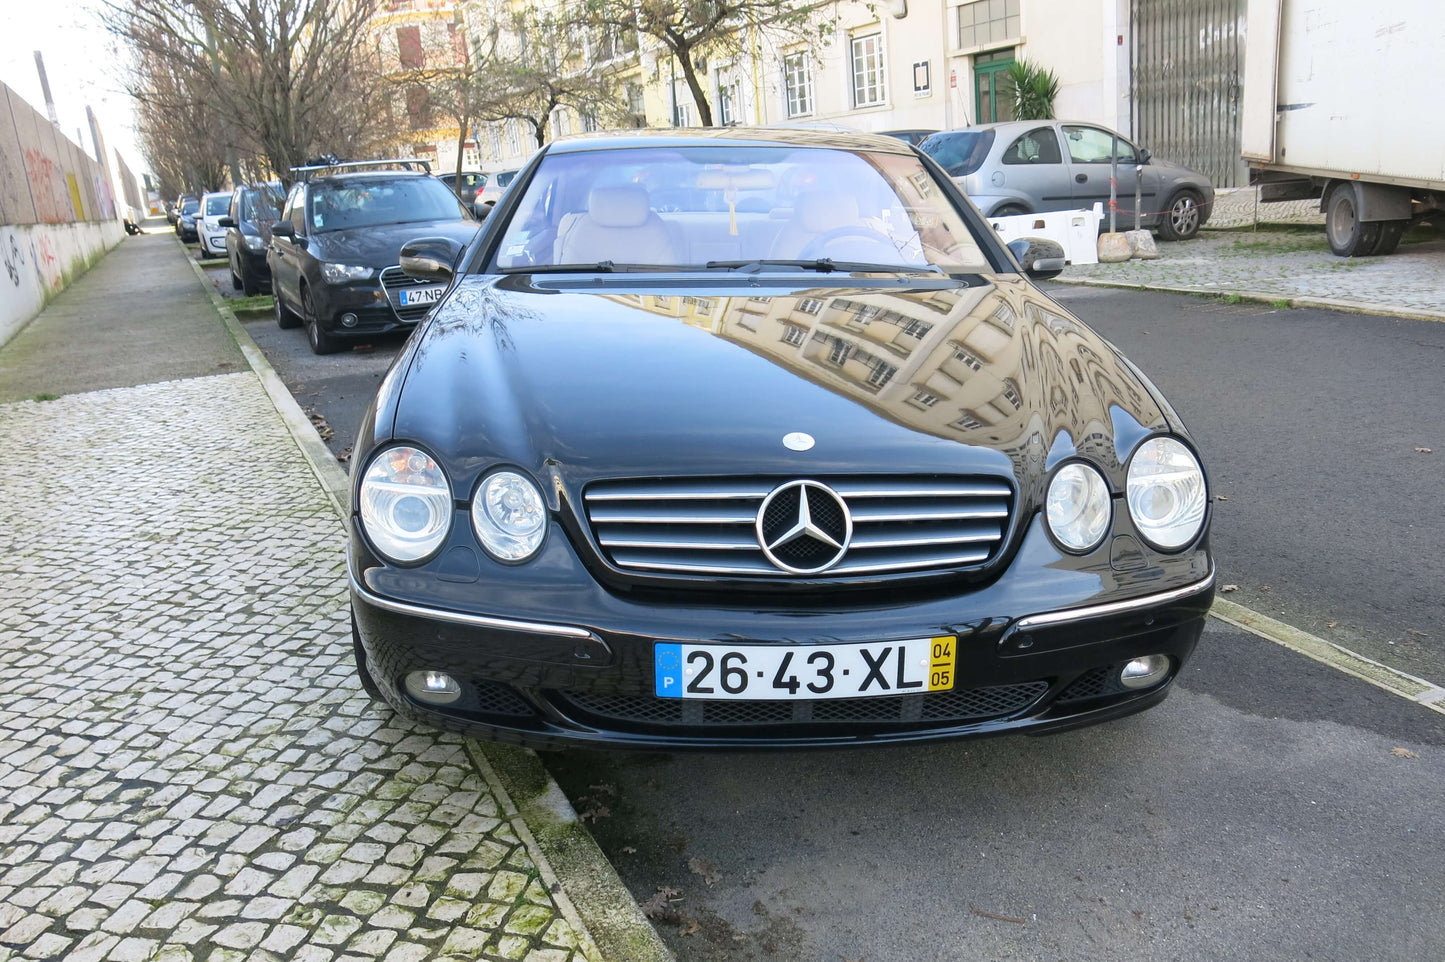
pixel 430 258
pixel 226 222
pixel 1039 257
pixel 1144 155
pixel 283 228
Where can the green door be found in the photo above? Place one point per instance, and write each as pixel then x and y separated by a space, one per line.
pixel 988 76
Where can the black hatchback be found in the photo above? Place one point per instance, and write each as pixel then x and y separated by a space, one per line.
pixel 333 254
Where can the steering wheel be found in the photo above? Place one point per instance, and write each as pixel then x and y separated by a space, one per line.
pixel 818 245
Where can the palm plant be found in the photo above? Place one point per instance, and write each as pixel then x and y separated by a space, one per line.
pixel 1032 89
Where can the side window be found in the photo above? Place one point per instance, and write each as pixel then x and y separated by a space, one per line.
pixel 234 211
pixel 1038 146
pixel 1090 145
pixel 296 207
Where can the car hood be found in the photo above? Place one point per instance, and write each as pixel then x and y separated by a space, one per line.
pixel 600 377
pixel 379 246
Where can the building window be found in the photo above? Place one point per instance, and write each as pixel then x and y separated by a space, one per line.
pixel 727 99
pixel 987 21
pixel 794 335
pixel 798 84
pixel 882 374
pixel 810 305
pixel 868 87
pixel 494 142
pixel 967 421
pixel 917 329
pixel 969 359
pixel 514 138
pixel 589 122
pixel 418 108
pixel 1011 394
pixel 635 104
pixel 408 48
pixel 681 112
pixel 840 352
pixel 925 399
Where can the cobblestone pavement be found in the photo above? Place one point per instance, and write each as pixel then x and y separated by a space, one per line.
pixel 1240 207
pixel 188 767
pixel 1288 263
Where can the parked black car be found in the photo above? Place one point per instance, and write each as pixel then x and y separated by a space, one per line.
pixel 467 187
pixel 333 254
pixel 807 462
pixel 187 210
pixel 254 209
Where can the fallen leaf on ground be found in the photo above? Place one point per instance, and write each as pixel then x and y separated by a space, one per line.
pixel 1423 451
pixel 1403 753
pixel 629 850
pixel 690 927
pixel 1222 497
pixel 659 907
pixel 1264 587
pixel 994 915
pixel 707 870
pixel 1333 624
pixel 593 812
pixel 364 348
pixel 1227 588
pixel 609 789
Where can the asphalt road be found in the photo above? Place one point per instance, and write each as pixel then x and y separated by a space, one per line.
pixel 1272 808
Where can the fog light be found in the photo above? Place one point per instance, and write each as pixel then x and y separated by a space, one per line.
pixel 1143 672
pixel 349 320
pixel 433 687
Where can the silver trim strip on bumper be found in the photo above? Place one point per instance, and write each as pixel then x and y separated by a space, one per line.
pixel 1114 607
pixel 471 621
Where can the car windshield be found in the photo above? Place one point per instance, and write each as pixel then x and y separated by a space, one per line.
pixel 262 205
pixel 217 204
pixel 730 207
pixel 959 153
pixel 344 203
pixel 190 205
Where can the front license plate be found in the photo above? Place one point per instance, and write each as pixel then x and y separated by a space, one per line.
pixel 777 672
pixel 413 296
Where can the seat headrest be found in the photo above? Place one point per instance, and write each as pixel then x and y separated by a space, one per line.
pixel 819 211
pixel 624 206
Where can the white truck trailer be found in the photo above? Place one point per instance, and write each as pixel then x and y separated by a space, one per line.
pixel 1342 102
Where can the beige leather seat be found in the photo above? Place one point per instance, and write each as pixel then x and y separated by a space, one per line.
pixel 619 225
pixel 816 213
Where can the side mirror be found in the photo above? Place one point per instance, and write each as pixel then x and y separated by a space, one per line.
pixel 283 228
pixel 1039 257
pixel 226 222
pixel 481 210
pixel 1144 155
pixel 430 258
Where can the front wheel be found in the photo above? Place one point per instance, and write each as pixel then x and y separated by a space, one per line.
pixel 1010 210
pixel 363 667
pixel 1182 217
pixel 322 342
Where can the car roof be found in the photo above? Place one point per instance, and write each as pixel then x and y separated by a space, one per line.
pixel 711 136
pixel 368 175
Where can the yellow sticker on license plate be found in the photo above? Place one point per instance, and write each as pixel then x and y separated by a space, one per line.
pixel 941 658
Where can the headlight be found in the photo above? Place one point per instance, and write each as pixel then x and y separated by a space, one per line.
pixel 406 504
pixel 254 242
pixel 341 273
pixel 1166 493
pixel 1078 507
pixel 509 516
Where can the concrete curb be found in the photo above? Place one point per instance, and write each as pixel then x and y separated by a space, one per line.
pixel 1328 303
pixel 581 880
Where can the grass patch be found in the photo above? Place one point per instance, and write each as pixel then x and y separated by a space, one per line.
pixel 1280 305
pixel 45 397
pixel 213 262
pixel 1232 299
pixel 1296 244
pixel 255 304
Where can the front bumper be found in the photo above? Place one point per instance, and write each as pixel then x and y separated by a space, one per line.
pixel 591 682
pixel 364 299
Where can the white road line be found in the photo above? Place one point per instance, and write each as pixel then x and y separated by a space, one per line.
pixel 1407 686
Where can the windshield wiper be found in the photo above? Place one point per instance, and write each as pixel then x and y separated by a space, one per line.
pixel 600 267
pixel 823 265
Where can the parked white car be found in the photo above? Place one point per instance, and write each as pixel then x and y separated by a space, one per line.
pixel 214 206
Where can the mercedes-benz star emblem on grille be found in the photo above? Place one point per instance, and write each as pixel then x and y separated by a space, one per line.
pixel 804 527
pixel 797 441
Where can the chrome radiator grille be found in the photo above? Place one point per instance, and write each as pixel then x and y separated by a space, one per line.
pixel 393 279
pixel 702 526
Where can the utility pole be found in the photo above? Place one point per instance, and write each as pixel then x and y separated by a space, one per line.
pixel 45 89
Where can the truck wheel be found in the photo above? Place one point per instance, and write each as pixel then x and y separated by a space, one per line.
pixel 1390 233
pixel 1182 217
pixel 1349 237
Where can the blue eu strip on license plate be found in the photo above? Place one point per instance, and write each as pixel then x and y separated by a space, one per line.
pixel 790 672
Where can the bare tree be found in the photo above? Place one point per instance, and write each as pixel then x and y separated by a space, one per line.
pixel 429 64
pixel 688 28
pixel 295 77
pixel 535 62
pixel 184 137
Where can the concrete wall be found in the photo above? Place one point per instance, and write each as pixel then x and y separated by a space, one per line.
pixel 58 212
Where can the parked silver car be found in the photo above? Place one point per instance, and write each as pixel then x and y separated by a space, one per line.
pixel 1028 166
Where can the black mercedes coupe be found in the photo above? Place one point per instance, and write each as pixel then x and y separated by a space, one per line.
pixel 760 438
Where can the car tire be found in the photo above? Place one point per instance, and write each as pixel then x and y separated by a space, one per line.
pixel 1347 234
pixel 321 341
pixel 286 318
pixel 249 287
pixel 1010 210
pixel 236 284
pixel 363 666
pixel 1182 216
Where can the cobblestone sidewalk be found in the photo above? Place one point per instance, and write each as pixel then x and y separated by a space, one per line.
pixel 1287 264
pixel 188 767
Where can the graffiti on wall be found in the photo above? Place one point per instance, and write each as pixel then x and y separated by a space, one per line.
pixel 47 264
pixel 14 257
pixel 43 173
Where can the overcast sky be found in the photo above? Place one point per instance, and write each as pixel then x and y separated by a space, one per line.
pixel 82 61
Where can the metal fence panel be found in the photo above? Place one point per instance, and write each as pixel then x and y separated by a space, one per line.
pixel 1187 76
